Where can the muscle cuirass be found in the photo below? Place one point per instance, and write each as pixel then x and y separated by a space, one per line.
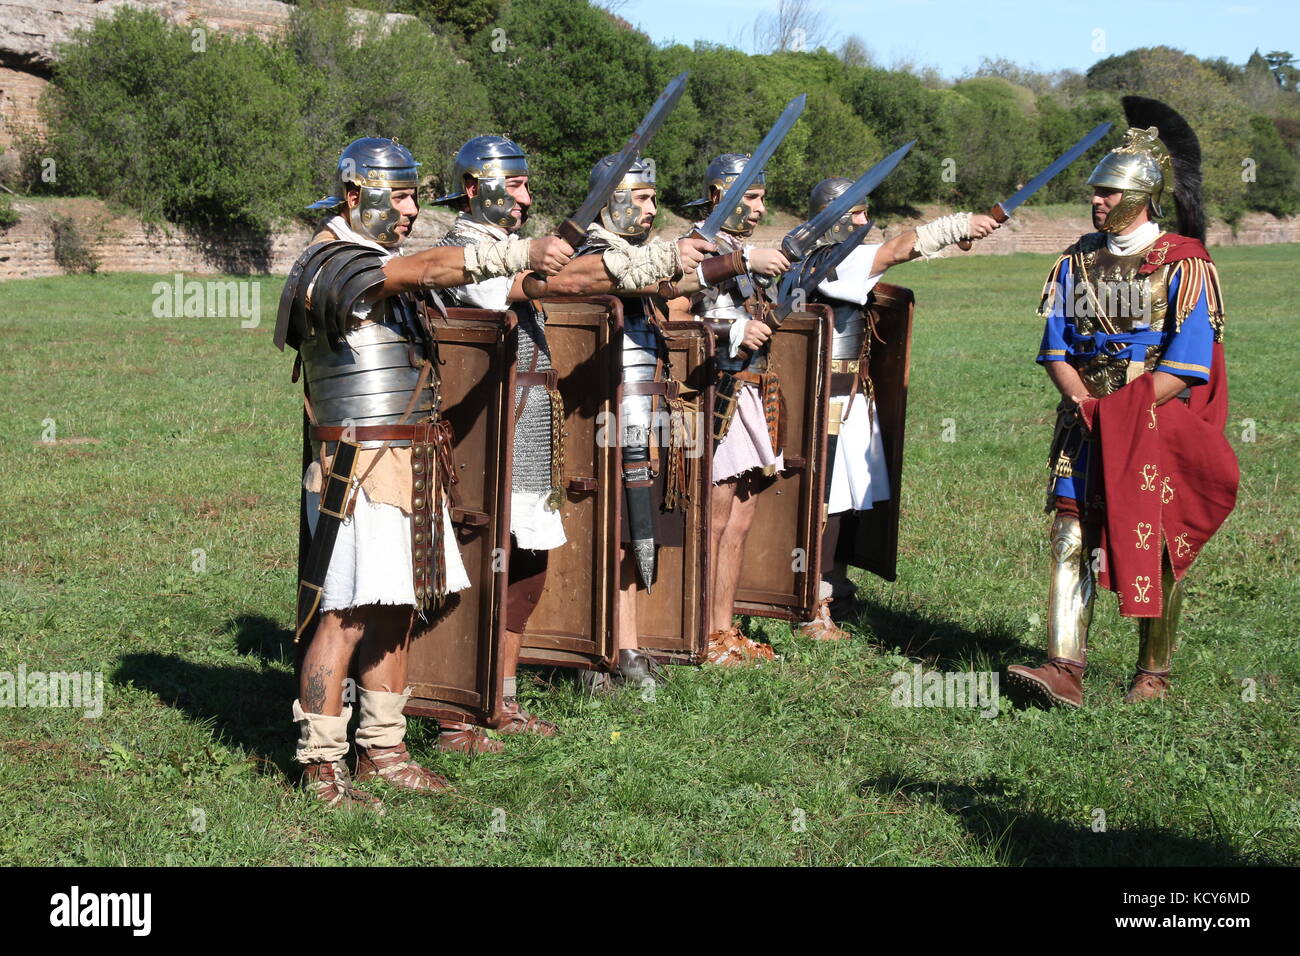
pixel 1109 297
pixel 369 381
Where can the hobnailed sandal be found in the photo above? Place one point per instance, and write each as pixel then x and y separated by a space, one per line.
pixel 461 738
pixel 732 649
pixel 395 766
pixel 822 627
pixel 519 721
pixel 328 782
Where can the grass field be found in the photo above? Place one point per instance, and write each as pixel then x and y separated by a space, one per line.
pixel 153 540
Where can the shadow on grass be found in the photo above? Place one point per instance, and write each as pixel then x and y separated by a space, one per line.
pixel 943 644
pixel 1019 838
pixel 245 707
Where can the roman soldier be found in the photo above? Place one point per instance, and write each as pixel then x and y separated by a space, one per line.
pixel 1141 474
pixel 746 453
pixel 377 545
pixel 656 501
pixel 494 202
pixel 859 473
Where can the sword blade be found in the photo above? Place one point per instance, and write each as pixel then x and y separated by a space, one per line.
pixel 757 160
pixel 817 274
pixel 606 184
pixel 799 241
pixel 1050 173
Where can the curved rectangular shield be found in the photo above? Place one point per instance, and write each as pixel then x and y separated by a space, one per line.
pixel 672 620
pixel 573 624
pixel 782 562
pixel 455 671
pixel 873 542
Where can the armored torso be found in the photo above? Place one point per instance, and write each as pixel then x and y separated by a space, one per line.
pixel 532 448
pixel 1118 315
pixel 721 306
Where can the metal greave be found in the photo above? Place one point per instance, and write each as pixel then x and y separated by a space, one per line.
pixel 1071 592
pixel 1156 635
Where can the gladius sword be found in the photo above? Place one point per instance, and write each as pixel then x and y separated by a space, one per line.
pixel 1001 211
pixel 574 229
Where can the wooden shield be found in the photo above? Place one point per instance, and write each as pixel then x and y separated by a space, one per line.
pixel 672 620
pixel 455 664
pixel 782 563
pixel 573 624
pixel 874 544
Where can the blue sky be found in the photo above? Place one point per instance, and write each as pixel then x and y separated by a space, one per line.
pixel 952 35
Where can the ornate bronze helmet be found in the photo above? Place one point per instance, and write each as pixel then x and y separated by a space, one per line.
pixel 621 215
pixel 376 166
pixel 721 173
pixel 1142 168
pixel 489 161
pixel 822 195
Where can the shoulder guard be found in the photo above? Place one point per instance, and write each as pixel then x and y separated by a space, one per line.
pixel 323 288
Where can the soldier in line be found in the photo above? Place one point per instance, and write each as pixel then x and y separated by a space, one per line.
pixel 494 201
pixel 378 544
pixel 859 474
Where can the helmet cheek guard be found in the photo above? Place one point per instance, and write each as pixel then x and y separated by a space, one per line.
pixel 621 215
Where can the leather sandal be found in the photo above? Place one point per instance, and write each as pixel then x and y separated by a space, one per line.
pixel 519 721
pixel 462 738
pixel 328 782
pixel 395 766
pixel 731 648
pixel 822 627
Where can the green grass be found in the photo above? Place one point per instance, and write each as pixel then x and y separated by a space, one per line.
pixel 176 435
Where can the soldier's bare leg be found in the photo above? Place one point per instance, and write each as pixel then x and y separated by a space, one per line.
pixel 325 666
pixel 721 498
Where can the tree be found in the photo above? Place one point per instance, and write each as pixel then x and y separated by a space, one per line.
pixel 796 26
pixel 1281 62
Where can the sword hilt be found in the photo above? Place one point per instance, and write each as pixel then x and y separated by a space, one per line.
pixel 571 232
pixel 998 213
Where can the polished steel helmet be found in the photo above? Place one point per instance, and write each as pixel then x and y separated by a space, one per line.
pixel 376 166
pixel 722 172
pixel 489 161
pixel 822 195
pixel 621 215
pixel 1142 168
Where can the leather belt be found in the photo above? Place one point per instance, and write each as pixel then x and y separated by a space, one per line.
pixel 547 379
pixel 671 388
pixel 842 382
pixel 846 366
pixel 370 432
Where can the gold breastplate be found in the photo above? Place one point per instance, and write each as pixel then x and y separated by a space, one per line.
pixel 1111 297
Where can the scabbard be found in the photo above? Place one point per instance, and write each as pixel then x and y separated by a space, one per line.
pixel 637 483
pixel 333 501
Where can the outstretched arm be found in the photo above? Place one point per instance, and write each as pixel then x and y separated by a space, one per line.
pixel 445 266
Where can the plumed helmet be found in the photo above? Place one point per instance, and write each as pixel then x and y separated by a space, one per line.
pixel 722 172
pixel 1142 168
pixel 621 215
pixel 822 195
pixel 490 161
pixel 376 166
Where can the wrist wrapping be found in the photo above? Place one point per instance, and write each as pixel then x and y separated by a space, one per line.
pixel 932 237
pixel 497 257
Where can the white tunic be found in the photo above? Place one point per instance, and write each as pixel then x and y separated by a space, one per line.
pixel 859 474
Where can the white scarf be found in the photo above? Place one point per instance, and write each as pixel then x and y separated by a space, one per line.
pixel 339 226
pixel 1135 241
